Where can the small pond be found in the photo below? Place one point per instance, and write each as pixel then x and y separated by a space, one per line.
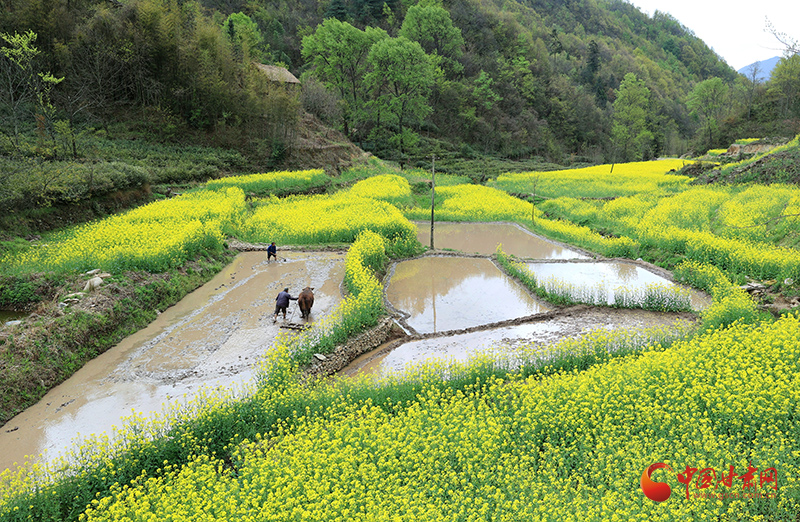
pixel 7 316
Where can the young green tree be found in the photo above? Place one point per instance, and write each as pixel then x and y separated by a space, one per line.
pixel 485 96
pixel 629 129
pixel 23 88
pixel 400 79
pixel 707 102
pixel 338 51
pixel 245 37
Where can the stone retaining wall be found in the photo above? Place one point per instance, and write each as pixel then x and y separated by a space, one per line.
pixel 347 352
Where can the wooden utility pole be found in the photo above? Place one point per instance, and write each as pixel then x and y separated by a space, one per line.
pixel 433 192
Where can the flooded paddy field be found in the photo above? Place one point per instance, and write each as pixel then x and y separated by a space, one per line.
pixel 509 341
pixel 435 294
pixel 483 238
pixel 450 305
pixel 213 337
pixel 606 278
pixel 456 307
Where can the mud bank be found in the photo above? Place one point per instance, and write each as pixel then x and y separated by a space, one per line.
pixel 365 342
pixel 213 337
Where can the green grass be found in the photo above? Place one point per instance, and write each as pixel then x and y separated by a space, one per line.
pixel 54 347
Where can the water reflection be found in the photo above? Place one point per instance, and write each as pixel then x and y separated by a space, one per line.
pixel 448 293
pixel 606 278
pixel 625 272
pixel 483 238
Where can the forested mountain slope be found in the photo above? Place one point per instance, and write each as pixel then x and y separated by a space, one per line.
pixel 517 79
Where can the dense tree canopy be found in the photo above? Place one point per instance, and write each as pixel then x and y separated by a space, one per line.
pixel 400 78
pixel 339 53
pixel 785 86
pixel 432 27
pixel 519 78
pixel 707 101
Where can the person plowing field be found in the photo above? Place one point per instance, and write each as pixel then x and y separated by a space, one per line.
pixel 282 303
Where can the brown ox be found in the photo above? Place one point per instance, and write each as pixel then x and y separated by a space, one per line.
pixel 305 301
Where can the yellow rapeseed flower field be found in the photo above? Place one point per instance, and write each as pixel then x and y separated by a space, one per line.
pixel 560 445
pixel 276 182
pixel 387 187
pixel 304 220
pixel 153 237
pixel 569 447
pixel 623 179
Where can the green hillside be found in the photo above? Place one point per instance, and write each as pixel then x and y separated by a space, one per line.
pixel 509 79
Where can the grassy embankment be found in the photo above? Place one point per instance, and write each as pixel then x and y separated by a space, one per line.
pixel 39 193
pixel 474 441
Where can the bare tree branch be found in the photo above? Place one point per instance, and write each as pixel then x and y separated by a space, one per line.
pixel 791 46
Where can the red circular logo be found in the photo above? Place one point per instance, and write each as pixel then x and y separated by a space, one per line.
pixel 658 491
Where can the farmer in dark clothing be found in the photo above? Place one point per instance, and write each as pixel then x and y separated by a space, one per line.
pixel 282 303
pixel 272 251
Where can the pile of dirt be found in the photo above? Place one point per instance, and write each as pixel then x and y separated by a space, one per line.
pixel 778 167
pixel 318 146
pixel 697 169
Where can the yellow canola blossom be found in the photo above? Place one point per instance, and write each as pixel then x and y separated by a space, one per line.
pixel 386 187
pixel 153 237
pixel 567 447
pixel 303 220
pixel 760 210
pixel 474 203
pixel 272 181
pixel 733 227
pixel 622 179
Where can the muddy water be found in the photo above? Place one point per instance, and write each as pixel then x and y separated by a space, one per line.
pixel 508 343
pixel 213 337
pixel 483 238
pixel 447 293
pixel 608 277
pixel 6 316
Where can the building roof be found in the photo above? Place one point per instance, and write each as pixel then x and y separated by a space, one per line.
pixel 277 74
